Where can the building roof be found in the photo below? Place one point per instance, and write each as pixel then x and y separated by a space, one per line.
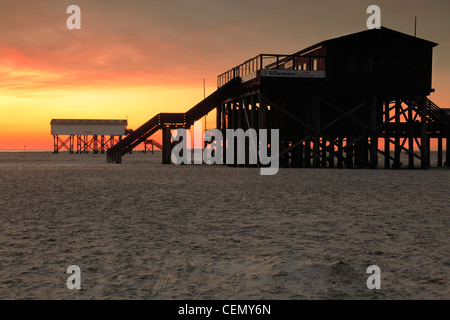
pixel 373 36
pixel 94 122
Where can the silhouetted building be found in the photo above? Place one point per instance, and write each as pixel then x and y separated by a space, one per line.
pixel 333 102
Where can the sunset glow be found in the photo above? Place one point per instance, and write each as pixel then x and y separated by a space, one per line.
pixel 134 59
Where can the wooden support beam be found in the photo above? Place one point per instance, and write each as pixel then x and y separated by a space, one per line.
pixel 253 113
pixel 229 126
pixel 262 113
pixel 254 119
pixel 95 144
pixel 301 155
pixel 72 141
pixel 447 151
pixel 423 133
pixel 245 125
pixel 218 117
pixel 361 152
pixel 167 145
pixel 102 144
pixel 241 120
pixel 224 118
pixel 384 154
pixel 410 139
pixel 78 144
pixel 296 133
pixel 308 153
pixel 387 163
pixel 316 132
pixel 235 115
pixel 340 153
pixel 349 155
pixel 364 125
pixel 369 129
pixel 235 125
pixel 280 122
pixel 331 152
pixel 397 135
pixel 55 144
pixel 324 152
pixel 373 135
pixel 295 157
pixel 223 127
pixel 439 160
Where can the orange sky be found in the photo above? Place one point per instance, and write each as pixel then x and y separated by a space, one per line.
pixel 138 58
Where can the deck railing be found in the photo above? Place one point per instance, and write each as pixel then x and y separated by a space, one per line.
pixel 272 61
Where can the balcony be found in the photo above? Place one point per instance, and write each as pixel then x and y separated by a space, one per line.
pixel 275 65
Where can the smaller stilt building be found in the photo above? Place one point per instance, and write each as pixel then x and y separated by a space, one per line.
pixel 88 134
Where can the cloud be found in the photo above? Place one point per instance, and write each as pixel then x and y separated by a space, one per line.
pixel 144 42
pixel 37 51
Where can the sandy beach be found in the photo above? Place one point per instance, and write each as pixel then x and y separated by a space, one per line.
pixel 143 230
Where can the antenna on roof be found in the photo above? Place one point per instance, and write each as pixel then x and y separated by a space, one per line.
pixel 415 26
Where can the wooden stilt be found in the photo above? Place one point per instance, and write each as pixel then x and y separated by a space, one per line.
pixel 301 156
pixel 223 130
pixel 167 145
pixel 361 153
pixel 224 118
pixel 102 144
pixel 245 126
pixel 324 152
pixel 316 133
pixel 236 122
pixel 340 153
pixel 254 119
pixel 262 115
pixel 330 152
pixel 262 112
pixel 308 153
pixel 229 125
pixel 349 155
pixel 447 151
pixel 423 133
pixel 397 135
pixel 373 135
pixel 410 139
pixel 439 161
pixel 293 136
pixel 55 144
pixel 387 163
pixel 218 117
pixel 254 114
